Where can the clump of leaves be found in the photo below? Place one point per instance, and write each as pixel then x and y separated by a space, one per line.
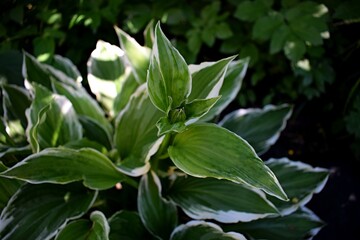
pixel 123 165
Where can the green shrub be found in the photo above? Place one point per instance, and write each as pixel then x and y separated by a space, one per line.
pixel 142 162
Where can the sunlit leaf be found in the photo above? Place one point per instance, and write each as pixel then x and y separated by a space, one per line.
pixel 221 200
pixel 203 230
pixel 207 150
pixel 260 127
pixel 66 66
pixel 136 134
pixel 62 165
pixel 97 228
pixel 38 211
pixel 168 79
pixel 300 181
pixel 137 55
pixel 158 215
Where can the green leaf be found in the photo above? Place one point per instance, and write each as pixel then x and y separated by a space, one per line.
pixel 203 230
pixel 279 38
pixel 52 120
pixel 251 10
pixel 207 78
pixel 158 215
pixel 34 71
pixel 305 29
pixel 62 165
pixel 138 56
pixel 165 125
pixel 44 48
pixel 11 62
pixel 294 49
pixel 38 211
pixel 94 131
pixel 136 134
pixel 223 30
pixel 302 9
pixel 250 51
pixel 85 106
pixel 300 181
pixel 260 127
pixel 16 100
pixel 230 87
pixel 266 25
pixel 221 200
pixel 105 69
pixel 149 34
pixel 302 224
pixel 127 225
pixel 221 154
pixel 128 87
pixel 8 187
pixel 66 66
pixel 96 229
pixel 168 80
pixel 199 107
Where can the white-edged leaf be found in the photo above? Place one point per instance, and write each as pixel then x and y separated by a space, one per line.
pixel 62 165
pixel 207 150
pixel 128 87
pixel 199 107
pixel 136 134
pixel 66 66
pixel 260 127
pixel 158 215
pixel 8 187
pixel 97 228
pixel 207 78
pixel 231 86
pixel 221 200
pixel 203 230
pixel 105 69
pixel 303 224
pixel 39 211
pixel 300 181
pixel 52 120
pixel 127 225
pixel 168 78
pixel 137 55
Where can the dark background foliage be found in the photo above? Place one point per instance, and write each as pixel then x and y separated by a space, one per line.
pixel 281 37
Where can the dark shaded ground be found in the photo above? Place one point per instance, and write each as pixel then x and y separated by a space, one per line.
pixel 308 138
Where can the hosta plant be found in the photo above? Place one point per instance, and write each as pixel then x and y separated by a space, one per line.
pixel 144 155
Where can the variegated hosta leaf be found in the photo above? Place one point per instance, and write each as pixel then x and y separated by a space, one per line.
pixel 136 134
pixel 8 187
pixel 230 87
pixel 149 34
pixel 97 228
pixel 260 127
pixel 137 55
pixel 168 79
pixel 199 107
pixel 84 105
pixel 203 230
pixel 300 181
pixel 105 69
pixel 302 224
pixel 62 165
pixel 207 150
pixel 207 78
pixel 52 120
pixel 128 87
pixel 127 225
pixel 34 71
pixel 158 215
pixel 38 211
pixel 221 200
pixel 66 66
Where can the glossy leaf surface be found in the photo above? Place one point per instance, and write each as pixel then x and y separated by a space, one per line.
pixel 260 127
pixel 168 79
pixel 299 180
pixel 302 224
pixel 136 133
pixel 61 165
pixel 207 150
pixel 158 215
pixel 203 230
pixel 221 200
pixel 97 228
pixel 38 211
